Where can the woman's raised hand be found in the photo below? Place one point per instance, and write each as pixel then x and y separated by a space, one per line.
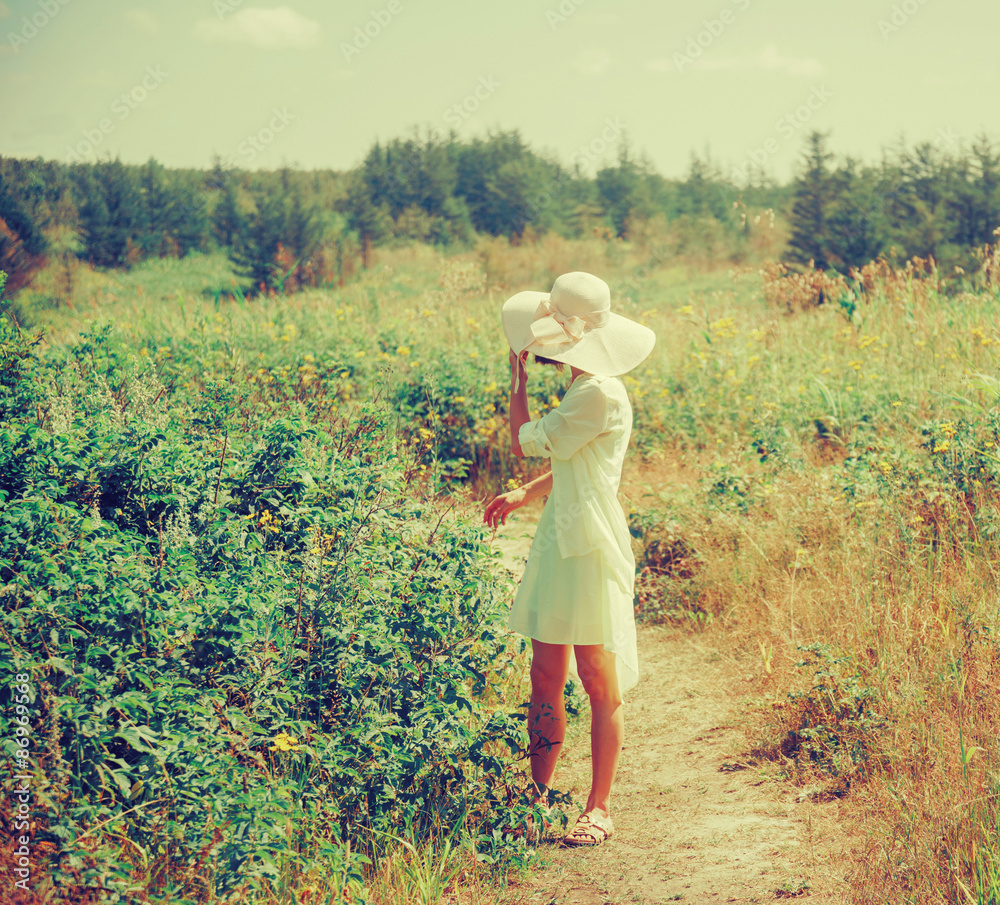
pixel 501 506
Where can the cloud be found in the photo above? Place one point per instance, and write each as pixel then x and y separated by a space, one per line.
pixel 142 20
pixel 593 61
pixel 768 60
pixel 280 28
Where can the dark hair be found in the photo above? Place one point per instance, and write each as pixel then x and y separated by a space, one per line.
pixel 548 361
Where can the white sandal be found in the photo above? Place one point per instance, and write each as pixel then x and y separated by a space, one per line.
pixel 590 829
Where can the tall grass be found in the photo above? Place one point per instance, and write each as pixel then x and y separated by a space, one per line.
pixel 815 480
pixel 844 531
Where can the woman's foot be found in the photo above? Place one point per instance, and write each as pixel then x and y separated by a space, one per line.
pixel 591 828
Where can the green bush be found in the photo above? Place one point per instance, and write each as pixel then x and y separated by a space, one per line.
pixel 836 724
pixel 255 647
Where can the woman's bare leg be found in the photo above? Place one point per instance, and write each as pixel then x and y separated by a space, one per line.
pixel 607 721
pixel 547 713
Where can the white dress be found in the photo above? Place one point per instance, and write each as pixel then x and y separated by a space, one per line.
pixel 579 580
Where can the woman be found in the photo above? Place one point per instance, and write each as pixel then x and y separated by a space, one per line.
pixel 577 588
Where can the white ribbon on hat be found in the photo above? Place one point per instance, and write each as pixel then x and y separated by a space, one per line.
pixel 553 328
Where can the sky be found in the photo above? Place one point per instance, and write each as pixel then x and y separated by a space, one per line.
pixel 314 84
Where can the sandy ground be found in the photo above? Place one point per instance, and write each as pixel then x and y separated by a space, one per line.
pixel 695 821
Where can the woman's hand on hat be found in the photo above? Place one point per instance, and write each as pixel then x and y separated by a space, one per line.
pixel 503 505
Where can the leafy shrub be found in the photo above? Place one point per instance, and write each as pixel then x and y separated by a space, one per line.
pixel 833 726
pixel 254 650
pixel 666 589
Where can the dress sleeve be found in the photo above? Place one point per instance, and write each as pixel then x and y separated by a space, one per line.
pixel 565 430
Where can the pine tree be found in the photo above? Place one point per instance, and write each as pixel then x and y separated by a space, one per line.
pixel 22 244
pixel 154 238
pixel 855 227
pixel 372 223
pixel 228 220
pixel 506 186
pixel 187 221
pixel 810 206
pixel 111 215
pixel 703 193
pixel 255 250
pixel 95 221
pixel 987 213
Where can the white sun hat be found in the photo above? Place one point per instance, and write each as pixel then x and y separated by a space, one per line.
pixel 574 324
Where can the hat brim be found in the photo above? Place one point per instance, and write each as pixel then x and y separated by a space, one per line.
pixel 614 348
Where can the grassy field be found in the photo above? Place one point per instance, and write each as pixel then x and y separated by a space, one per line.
pixel 838 520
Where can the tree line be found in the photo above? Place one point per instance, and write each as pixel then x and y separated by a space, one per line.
pixel 929 201
pixel 290 227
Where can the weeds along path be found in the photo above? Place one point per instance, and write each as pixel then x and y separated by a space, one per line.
pixel 694 822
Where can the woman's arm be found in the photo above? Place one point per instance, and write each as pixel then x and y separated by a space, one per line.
pixel 518 400
pixel 501 506
pixel 540 486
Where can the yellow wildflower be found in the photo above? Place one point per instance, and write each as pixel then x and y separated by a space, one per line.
pixel 285 742
pixel 267 522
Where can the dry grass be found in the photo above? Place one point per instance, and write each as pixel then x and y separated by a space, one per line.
pixel 861 572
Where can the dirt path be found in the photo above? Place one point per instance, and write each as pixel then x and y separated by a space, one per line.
pixel 694 822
